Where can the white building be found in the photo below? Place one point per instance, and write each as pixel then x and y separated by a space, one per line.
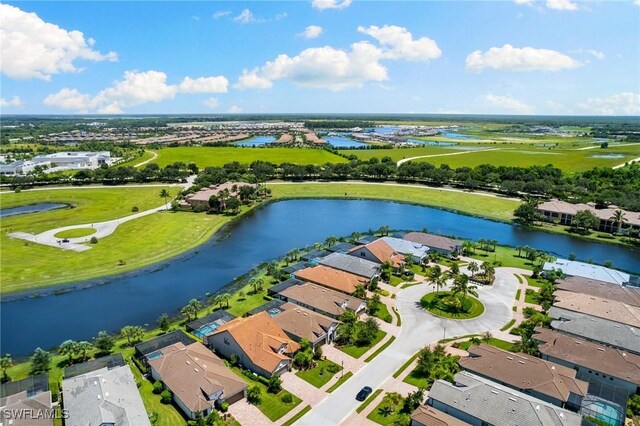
pixel 66 160
pixel 587 270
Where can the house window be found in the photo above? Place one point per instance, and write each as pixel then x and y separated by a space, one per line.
pixel 226 341
pixel 362 254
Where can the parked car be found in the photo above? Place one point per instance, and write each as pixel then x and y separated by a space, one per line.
pixel 364 393
pixel 65 240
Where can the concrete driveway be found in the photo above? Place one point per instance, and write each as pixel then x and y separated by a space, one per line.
pixel 419 328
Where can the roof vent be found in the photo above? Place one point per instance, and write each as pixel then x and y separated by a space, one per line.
pixel 196 370
pixel 106 394
pixel 494 392
pixel 601 349
pixel 520 362
pixel 537 407
pixel 512 399
pixel 99 397
pixel 510 358
pixel 188 362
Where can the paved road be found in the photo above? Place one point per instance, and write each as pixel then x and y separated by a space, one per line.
pixel 418 329
pixel 404 160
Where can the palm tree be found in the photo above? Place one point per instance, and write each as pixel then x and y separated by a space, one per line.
pixel 434 276
pixel 68 348
pixel 519 248
pixel 330 241
pixel 6 362
pixel 83 348
pixel 225 297
pixel 473 268
pixel 468 247
pixel 384 230
pixel 216 300
pixel 461 286
pixel 165 194
pixel 355 236
pixel 618 218
pixel 488 270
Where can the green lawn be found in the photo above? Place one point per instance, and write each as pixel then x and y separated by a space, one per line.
pixel 319 375
pixel 219 156
pixel 508 325
pixel 377 415
pixel 380 349
pixel 137 160
pixel 531 296
pixel 340 381
pixel 498 343
pixel 435 304
pixel 168 414
pixel 383 313
pixel 535 282
pixel 518 294
pixel 504 256
pixel 416 380
pixel 358 351
pixel 368 401
pixel 405 365
pixel 298 416
pixel 75 233
pixel 395 281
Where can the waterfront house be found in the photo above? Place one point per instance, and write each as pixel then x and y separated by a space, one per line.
pixel 379 251
pixel 335 279
pixel 606 290
pixel 321 299
pixel 563 213
pixel 436 243
pixel 598 307
pixel 352 264
pixel 417 252
pixel 31 393
pixel 588 270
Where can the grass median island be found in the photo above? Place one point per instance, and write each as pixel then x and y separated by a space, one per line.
pixel 443 304
pixel 75 233
pixel 298 416
pixel 380 349
pixel 319 375
pixel 340 381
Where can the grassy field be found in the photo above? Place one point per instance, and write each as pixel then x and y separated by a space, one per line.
pixel 218 156
pixel 136 160
pixel 319 375
pixel 75 233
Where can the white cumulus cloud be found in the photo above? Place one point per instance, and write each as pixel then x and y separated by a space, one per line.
pixel 246 17
pixel 14 102
pixel 221 13
pixel 626 103
pixel 234 109
pixel 33 48
pixel 524 2
pixel 250 79
pixel 561 5
pixel 211 103
pixel 512 58
pixel 400 44
pixel 508 104
pixel 312 31
pixel 136 88
pixel 330 4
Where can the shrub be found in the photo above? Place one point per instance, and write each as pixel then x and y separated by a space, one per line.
pixel 200 208
pixel 287 398
pixel 275 384
pixel 317 352
pixel 165 397
pixel 224 406
pixel 254 394
pixel 333 368
pixel 94 240
pixel 135 209
pixel 157 387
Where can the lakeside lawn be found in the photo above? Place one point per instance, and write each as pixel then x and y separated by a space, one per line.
pixel 358 351
pixel 505 256
pixel 219 156
pixel 319 375
pixel 436 304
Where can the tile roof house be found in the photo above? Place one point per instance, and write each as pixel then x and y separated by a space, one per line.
pixel 597 307
pixel 201 198
pixel 438 243
pixel 321 299
pixel 352 264
pixel 606 290
pixel 563 213
pixel 587 270
pixel 331 278
pixel 380 252
pixel 301 323
pixel 481 402
pixel 590 359
pixel 553 383
pixel 32 394
pixel 258 341
pixel 102 397
pixel 596 329
pixel 425 415
pixel 411 249
pixel 196 377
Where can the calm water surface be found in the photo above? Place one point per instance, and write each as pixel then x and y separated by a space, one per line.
pixel 264 234
pixel 33 208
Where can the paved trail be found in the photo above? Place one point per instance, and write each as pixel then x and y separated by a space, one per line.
pixel 155 155
pixel 404 160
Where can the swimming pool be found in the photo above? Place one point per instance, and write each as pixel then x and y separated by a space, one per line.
pixel 206 329
pixel 608 412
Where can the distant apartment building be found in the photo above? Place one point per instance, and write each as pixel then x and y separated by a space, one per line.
pixel 563 213
pixel 59 161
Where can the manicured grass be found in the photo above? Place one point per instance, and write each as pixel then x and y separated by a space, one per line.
pixel 319 375
pixel 504 256
pixel 383 313
pixel 531 296
pixel 498 343
pixel 75 233
pixel 376 415
pixel 358 351
pixel 535 282
pixel 519 279
pixel 380 349
pixel 137 160
pixel 368 401
pixel 168 414
pixel 405 365
pixel 340 381
pixel 298 416
pixel 398 317
pixel 518 294
pixel 417 380
pixel 434 303
pixel 463 202
pixel 219 156
pixel 409 285
pixel 508 325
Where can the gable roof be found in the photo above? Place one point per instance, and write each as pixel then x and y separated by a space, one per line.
pixel 433 241
pixel 104 396
pixel 24 402
pixel 322 298
pixel 355 265
pixel 598 307
pixel 628 295
pixel 598 329
pixel 332 278
pixel 587 270
pixel 407 247
pixel 426 415
pixel 303 323
pixel 524 372
pixel 383 252
pixel 610 361
pixel 499 405
pixel 192 372
pixel 260 337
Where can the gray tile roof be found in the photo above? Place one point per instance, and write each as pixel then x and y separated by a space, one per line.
pixel 597 329
pixel 497 404
pixel 341 247
pixel 104 396
pixel 407 247
pixel 355 265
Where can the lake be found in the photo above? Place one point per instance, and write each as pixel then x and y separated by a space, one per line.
pixel 264 234
pixel 32 208
pixel 257 141
pixel 343 142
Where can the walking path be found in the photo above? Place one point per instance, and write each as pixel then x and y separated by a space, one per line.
pixel 154 156
pixel 102 229
pixel 635 160
pixel 404 160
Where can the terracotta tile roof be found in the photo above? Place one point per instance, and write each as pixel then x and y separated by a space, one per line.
pixel 322 298
pixel 193 371
pixel 524 372
pixel 603 289
pixel 612 362
pixel 598 307
pixel 560 207
pixel 426 415
pixel 383 252
pixel 332 278
pixel 304 323
pixel 206 193
pixel 261 338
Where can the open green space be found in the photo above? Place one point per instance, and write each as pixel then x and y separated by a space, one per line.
pixel 147 155
pixel 319 375
pixel 219 156
pixel 439 304
pixel 340 381
pixel 75 233
pixel 535 282
pixel 358 351
pixel 503 256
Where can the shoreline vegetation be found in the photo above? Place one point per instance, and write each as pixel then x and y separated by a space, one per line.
pixel 196 229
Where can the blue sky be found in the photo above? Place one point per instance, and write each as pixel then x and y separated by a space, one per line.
pixel 509 57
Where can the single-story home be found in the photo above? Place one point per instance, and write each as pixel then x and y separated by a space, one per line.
pixel 603 289
pixel 320 299
pixel 197 378
pixel 417 252
pixel 332 278
pixel 201 198
pixel 31 393
pixel 379 252
pixel 437 243
pixel 426 415
pixel 563 213
pixel 587 270
pixel 146 350
pixel 301 323
pixel 598 307
pixel 352 264
pixel 260 344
